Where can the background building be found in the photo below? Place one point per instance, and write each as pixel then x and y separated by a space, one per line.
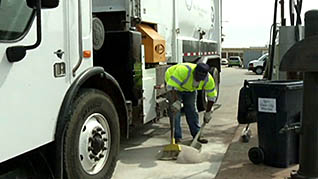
pixel 246 54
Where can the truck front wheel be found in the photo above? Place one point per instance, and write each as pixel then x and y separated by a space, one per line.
pixel 92 137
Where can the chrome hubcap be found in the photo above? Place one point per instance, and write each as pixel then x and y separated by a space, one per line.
pixel 94 143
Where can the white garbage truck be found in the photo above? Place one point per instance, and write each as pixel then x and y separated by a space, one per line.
pixel 76 74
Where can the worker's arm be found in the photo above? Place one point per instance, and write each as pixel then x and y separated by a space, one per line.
pixel 173 100
pixel 211 95
pixel 175 77
pixel 208 112
pixel 209 106
pixel 172 95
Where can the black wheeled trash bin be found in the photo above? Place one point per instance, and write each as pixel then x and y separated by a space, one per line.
pixel 279 104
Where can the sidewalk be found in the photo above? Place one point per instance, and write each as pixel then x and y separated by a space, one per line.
pixel 236 164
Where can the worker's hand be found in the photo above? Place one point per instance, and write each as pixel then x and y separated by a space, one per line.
pixel 172 96
pixel 207 116
pixel 176 106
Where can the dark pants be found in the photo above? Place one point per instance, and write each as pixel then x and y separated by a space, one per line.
pixel 189 105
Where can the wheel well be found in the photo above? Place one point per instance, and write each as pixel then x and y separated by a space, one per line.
pixel 106 85
pixel 215 62
pixel 97 78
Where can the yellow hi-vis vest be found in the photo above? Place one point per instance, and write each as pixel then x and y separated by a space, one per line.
pixel 180 77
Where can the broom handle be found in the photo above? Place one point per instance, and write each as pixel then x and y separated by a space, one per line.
pixel 172 113
pixel 199 132
pixel 172 123
pixel 215 107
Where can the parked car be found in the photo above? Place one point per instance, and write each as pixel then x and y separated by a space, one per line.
pixel 258 66
pixel 235 61
pixel 224 61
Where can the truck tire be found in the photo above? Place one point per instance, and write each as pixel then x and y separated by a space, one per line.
pixel 92 137
pixel 201 98
pixel 259 70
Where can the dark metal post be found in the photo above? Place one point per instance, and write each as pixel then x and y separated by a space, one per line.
pixel 309 134
pixel 272 47
pixel 308 166
pixel 282 12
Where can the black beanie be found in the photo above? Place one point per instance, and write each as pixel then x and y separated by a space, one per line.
pixel 201 71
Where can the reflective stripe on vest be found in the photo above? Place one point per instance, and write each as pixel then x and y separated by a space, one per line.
pixel 210 91
pixel 176 80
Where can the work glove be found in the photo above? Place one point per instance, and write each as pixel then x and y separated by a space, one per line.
pixel 172 96
pixel 207 116
pixel 176 106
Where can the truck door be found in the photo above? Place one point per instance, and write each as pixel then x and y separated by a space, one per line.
pixel 31 90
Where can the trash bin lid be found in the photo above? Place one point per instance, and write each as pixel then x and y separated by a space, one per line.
pixel 281 84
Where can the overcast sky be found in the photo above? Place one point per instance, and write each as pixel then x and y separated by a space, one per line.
pixel 247 23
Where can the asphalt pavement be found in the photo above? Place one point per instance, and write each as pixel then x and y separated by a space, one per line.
pixel 236 164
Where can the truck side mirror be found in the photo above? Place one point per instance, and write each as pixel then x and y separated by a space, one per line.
pixel 17 53
pixel 45 4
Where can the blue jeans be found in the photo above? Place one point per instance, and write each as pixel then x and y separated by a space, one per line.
pixel 189 105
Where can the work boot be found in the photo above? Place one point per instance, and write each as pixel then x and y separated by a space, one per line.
pixel 178 141
pixel 203 141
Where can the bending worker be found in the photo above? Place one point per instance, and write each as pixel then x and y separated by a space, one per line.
pixel 184 80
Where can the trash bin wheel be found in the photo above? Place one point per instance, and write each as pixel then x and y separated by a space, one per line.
pixel 256 155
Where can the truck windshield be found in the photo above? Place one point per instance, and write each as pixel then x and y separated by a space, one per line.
pixel 15 17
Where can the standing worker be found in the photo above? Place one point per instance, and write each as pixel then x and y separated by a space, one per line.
pixel 184 80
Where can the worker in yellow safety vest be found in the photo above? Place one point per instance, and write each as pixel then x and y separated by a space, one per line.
pixel 184 80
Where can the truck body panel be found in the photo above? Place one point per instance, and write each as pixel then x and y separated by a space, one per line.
pixel 30 95
pixel 180 22
pixel 149 100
